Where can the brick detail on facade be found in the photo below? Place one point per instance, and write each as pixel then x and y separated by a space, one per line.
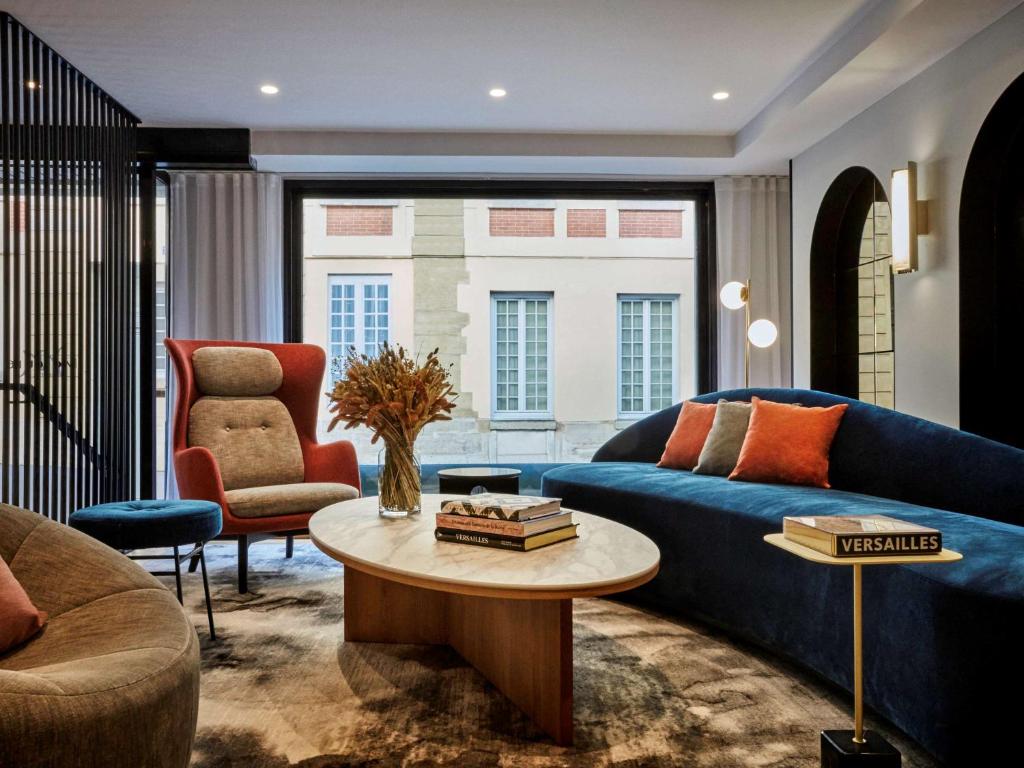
pixel 359 220
pixel 522 222
pixel 645 223
pixel 586 222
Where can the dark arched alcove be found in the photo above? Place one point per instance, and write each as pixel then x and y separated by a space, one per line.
pixel 838 267
pixel 992 273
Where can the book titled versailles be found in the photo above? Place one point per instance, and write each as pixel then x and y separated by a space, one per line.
pixel 516 543
pixel 862 535
pixel 501 506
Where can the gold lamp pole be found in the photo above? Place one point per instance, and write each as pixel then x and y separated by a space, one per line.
pixel 761 333
pixel 746 334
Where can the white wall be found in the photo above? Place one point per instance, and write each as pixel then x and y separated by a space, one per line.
pixel 933 120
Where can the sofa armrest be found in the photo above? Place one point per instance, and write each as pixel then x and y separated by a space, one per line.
pixel 332 463
pixel 643 441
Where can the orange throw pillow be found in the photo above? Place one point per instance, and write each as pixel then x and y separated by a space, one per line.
pixel 687 439
pixel 788 444
pixel 19 619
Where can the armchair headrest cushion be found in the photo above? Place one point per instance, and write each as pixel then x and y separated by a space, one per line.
pixel 236 371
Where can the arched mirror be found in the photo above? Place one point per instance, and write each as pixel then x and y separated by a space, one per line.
pixel 992 272
pixel 852 344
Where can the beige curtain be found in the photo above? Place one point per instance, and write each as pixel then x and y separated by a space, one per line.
pixel 225 256
pixel 224 264
pixel 753 243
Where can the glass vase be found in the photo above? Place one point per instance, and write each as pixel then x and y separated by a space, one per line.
pixel 398 482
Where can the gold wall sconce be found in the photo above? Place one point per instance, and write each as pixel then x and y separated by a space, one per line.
pixel 909 219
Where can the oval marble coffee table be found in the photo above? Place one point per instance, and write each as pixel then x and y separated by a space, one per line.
pixel 509 614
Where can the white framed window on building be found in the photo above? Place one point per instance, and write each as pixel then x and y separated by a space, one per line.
pixel 359 315
pixel 648 376
pixel 521 356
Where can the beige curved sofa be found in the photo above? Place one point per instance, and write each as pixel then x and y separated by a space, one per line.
pixel 113 678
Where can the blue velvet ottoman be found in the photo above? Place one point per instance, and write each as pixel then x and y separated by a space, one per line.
pixel 131 525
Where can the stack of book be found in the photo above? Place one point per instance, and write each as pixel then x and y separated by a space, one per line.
pixel 503 521
pixel 862 536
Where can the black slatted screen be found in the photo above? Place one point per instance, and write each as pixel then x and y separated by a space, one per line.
pixel 69 284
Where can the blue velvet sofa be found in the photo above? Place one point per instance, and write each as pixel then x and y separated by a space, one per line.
pixel 943 643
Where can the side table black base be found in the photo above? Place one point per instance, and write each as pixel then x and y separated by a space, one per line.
pixel 839 750
pixel 462 480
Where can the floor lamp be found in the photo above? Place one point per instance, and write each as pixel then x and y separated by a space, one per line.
pixel 761 333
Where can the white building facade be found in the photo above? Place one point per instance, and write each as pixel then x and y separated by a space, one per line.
pixel 563 320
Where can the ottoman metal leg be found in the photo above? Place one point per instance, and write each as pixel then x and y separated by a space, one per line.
pixel 198 554
pixel 177 574
pixel 289 546
pixel 206 590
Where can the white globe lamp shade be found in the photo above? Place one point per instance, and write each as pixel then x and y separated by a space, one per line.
pixel 762 333
pixel 732 295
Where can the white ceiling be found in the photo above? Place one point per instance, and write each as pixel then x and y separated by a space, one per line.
pixel 568 65
pixel 639 73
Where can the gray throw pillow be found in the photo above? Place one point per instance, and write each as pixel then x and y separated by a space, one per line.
pixel 722 448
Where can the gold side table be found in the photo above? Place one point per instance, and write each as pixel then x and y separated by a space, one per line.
pixel 858 747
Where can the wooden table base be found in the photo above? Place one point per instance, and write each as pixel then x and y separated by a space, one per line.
pixel 524 647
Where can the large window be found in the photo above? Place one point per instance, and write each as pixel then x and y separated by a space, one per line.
pixel 647 354
pixel 359 315
pixel 522 355
pixel 515 293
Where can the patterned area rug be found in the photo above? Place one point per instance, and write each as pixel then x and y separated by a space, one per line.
pixel 280 689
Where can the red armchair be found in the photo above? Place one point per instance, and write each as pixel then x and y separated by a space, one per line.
pixel 244 436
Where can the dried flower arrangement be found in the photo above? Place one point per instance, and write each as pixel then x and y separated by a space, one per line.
pixel 395 397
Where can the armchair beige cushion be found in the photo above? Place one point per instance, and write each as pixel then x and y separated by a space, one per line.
pixel 253 439
pixel 272 500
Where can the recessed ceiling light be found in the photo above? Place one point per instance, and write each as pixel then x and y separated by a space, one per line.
pixel 720 95
pixel 31 84
pixel 498 93
pixel 269 89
